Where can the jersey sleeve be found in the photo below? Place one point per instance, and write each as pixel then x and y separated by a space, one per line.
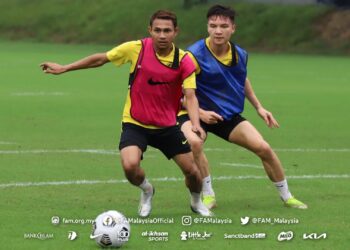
pixel 190 82
pixel 186 66
pixel 124 53
pixel 198 69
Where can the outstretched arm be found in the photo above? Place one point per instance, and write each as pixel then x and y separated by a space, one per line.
pixel 263 113
pixel 95 60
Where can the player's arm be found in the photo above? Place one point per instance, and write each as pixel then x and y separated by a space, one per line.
pixel 192 105
pixel 209 117
pixel 263 113
pixel 95 60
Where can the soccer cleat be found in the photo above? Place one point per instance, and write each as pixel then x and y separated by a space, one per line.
pixel 145 206
pixel 294 203
pixel 209 201
pixel 201 210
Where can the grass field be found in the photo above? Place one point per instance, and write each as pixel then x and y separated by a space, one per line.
pixel 56 131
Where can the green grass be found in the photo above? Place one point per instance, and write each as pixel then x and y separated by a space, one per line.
pixel 308 95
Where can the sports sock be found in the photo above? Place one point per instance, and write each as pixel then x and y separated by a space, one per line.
pixel 195 198
pixel 282 187
pixel 207 189
pixel 146 186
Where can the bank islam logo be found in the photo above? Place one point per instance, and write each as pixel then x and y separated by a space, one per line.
pixel 314 236
pixel 285 236
pixel 72 235
pixel 244 220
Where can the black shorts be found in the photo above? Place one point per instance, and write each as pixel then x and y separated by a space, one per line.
pixel 171 141
pixel 222 129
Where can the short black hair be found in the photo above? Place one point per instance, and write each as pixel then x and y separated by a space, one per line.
pixel 165 15
pixel 219 10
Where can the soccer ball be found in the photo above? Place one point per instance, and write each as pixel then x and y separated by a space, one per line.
pixel 110 229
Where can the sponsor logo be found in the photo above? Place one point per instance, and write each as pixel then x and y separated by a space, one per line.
pixel 285 236
pixel 314 236
pixel 72 235
pixel 183 235
pixel 184 142
pixel 156 236
pixel 245 236
pixel 195 235
pixel 39 236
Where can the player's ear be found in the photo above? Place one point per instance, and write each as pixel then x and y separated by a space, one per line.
pixel 233 28
pixel 176 30
pixel 149 29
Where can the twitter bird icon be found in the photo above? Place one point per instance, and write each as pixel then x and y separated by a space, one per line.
pixel 244 220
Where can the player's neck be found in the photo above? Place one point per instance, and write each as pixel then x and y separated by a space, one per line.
pixel 219 50
pixel 163 52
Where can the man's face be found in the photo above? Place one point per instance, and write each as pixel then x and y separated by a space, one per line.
pixel 163 33
pixel 220 29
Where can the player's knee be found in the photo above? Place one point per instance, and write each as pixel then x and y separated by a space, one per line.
pixel 130 165
pixel 193 172
pixel 196 147
pixel 264 150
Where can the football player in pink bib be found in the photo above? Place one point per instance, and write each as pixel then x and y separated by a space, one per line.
pixel 160 74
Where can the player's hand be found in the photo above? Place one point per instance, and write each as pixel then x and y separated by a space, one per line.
pixel 199 131
pixel 210 117
pixel 268 118
pixel 52 68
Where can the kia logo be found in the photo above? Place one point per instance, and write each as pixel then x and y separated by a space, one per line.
pixel 314 236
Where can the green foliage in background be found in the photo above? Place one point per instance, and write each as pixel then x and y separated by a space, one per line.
pixel 259 27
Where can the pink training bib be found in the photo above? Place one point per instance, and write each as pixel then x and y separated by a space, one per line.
pixel 156 89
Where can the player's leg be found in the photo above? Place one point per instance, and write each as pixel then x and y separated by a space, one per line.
pixel 133 143
pixel 201 161
pixel 172 142
pixel 196 144
pixel 246 135
pixel 130 159
pixel 193 182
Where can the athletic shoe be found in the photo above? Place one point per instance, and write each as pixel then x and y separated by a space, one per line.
pixel 201 210
pixel 294 203
pixel 145 206
pixel 209 201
